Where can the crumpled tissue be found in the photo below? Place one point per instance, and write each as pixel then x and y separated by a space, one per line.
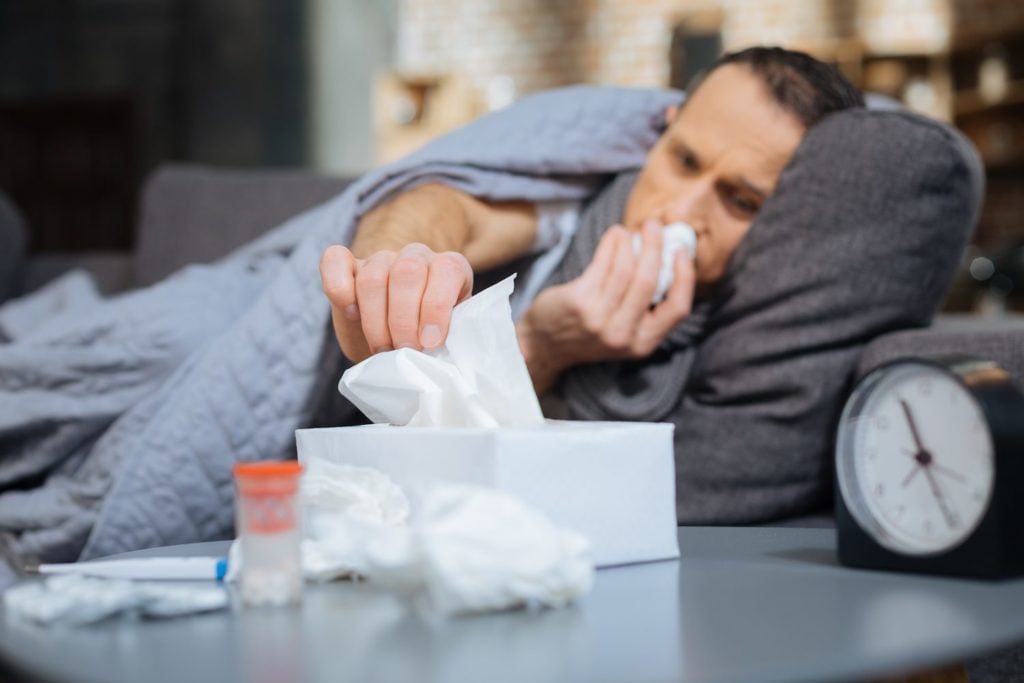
pixel 468 549
pixel 674 236
pixel 77 600
pixel 475 549
pixel 477 378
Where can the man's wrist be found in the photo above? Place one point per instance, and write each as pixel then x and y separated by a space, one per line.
pixel 429 214
pixel 542 363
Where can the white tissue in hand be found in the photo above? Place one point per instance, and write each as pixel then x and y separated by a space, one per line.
pixel 474 549
pixel 674 236
pixel 478 378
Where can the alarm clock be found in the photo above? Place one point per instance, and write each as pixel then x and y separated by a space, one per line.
pixel 929 468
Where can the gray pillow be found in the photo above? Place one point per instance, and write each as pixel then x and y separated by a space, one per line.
pixel 862 237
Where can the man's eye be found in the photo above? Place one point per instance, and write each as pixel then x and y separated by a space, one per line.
pixel 744 204
pixel 688 161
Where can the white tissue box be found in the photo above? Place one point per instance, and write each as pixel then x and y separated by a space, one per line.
pixel 612 481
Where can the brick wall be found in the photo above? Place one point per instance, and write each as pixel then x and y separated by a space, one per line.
pixel 545 43
pixel 885 45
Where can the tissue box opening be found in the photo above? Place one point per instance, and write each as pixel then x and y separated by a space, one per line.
pixel 612 481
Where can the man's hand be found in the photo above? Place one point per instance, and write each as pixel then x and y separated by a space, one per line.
pixel 606 313
pixel 393 299
pixel 412 260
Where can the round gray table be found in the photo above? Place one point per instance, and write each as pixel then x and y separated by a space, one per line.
pixel 742 604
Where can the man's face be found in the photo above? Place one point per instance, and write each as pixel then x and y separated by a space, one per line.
pixel 714 166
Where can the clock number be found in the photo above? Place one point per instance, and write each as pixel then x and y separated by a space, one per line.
pixel 924 387
pixel 879 490
pixel 881 423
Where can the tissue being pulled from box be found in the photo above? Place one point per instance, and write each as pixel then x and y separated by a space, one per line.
pixel 477 378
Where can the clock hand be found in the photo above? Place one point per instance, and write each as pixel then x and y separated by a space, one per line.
pixel 937 492
pixel 909 477
pixel 913 426
pixel 956 476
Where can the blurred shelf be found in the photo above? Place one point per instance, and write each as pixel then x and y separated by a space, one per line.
pixel 971 102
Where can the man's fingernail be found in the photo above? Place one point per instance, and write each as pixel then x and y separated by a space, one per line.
pixel 430 336
pixel 651 224
pixel 352 312
pixel 384 349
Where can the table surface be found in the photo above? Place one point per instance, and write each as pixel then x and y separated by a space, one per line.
pixel 741 604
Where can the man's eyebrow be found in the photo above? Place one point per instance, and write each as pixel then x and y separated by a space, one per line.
pixel 679 145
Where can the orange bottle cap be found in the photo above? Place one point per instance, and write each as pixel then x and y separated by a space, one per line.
pixel 268 478
pixel 268 468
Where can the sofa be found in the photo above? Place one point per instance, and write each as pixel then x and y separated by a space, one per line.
pixel 187 213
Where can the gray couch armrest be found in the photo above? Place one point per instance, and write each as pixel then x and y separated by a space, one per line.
pixel 998 339
pixel 193 213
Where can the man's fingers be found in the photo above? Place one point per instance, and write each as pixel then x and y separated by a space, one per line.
pixel 677 305
pixel 621 269
pixel 449 282
pixel 407 281
pixel 597 271
pixel 679 296
pixel 372 294
pixel 637 300
pixel 337 276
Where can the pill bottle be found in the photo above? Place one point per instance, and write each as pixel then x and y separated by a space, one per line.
pixel 267 522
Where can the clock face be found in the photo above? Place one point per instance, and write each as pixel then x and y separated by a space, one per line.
pixel 915 459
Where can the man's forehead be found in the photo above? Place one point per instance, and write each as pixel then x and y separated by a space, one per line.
pixel 732 120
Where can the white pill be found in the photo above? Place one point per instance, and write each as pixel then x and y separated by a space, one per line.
pixel 674 236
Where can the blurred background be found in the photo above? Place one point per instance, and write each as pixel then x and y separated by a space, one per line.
pixel 96 94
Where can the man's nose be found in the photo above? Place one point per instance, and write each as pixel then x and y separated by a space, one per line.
pixel 690 204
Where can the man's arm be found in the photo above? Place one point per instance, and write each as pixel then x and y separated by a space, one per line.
pixel 412 261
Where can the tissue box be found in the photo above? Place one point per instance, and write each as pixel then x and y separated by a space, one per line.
pixel 612 481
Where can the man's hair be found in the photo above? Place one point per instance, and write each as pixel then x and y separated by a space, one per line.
pixel 802 85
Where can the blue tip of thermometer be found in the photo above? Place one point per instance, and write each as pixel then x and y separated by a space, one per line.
pixel 152 568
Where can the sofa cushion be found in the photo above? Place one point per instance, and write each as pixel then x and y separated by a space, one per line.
pixel 193 213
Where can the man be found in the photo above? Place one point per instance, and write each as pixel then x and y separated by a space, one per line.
pixel 413 259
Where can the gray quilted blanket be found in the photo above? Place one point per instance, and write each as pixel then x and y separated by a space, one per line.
pixel 119 424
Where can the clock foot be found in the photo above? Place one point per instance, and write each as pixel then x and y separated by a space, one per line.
pixel 956 673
